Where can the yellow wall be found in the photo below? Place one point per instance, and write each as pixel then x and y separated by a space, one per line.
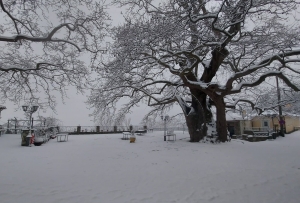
pixel 290 122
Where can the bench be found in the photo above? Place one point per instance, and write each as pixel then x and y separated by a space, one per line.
pixel 140 132
pixel 259 135
pixel 62 137
pixel 170 134
pixel 2 131
pixel 126 135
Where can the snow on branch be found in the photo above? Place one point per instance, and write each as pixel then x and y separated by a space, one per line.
pixel 43 44
pixel 262 78
pixel 47 38
pixel 38 66
pixel 262 64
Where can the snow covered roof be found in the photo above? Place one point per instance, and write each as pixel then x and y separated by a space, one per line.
pixel 269 113
pixel 2 107
pixel 275 113
pixel 232 116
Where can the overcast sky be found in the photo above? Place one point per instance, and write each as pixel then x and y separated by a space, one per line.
pixel 74 112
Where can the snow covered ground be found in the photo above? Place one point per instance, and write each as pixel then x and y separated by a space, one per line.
pixel 106 169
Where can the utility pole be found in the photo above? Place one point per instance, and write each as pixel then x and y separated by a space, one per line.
pixel 15 125
pixel 281 121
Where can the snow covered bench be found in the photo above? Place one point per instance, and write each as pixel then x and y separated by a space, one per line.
pixel 255 136
pixel 170 134
pixel 257 133
pixel 62 137
pixel 140 132
pixel 126 135
pixel 261 133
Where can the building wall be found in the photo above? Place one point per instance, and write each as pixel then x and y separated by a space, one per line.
pixel 242 126
pixel 256 122
pixel 290 122
pixel 237 125
pixel 247 124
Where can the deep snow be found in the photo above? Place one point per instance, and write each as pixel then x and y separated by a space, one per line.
pixel 106 169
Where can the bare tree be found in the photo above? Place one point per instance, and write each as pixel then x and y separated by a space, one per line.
pixel 49 121
pixel 45 43
pixel 197 53
pixel 268 100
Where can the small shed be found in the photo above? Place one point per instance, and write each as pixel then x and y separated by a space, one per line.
pixel 235 123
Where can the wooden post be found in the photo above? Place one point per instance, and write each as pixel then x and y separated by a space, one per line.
pixel 15 125
pixel 78 129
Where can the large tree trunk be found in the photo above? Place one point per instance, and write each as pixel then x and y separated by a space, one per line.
pixel 221 123
pixel 196 126
pixel 196 121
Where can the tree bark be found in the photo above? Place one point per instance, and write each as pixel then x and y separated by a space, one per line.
pixel 196 121
pixel 196 128
pixel 221 124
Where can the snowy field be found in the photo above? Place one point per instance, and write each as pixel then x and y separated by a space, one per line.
pixel 106 169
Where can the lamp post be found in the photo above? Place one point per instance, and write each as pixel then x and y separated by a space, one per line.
pixel 165 119
pixel 30 109
pixel 1 109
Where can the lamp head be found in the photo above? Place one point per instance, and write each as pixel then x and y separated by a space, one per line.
pixel 25 108
pixel 35 108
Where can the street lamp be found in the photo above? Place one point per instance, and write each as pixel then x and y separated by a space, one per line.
pixel 165 119
pixel 30 109
pixel 1 109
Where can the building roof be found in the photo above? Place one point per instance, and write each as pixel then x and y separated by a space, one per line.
pixel 270 113
pixel 232 116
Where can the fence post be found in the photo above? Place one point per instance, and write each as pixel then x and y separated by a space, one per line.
pixel 97 129
pixel 7 129
pixel 78 129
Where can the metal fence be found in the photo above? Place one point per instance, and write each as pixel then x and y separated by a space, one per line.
pixel 17 130
pixel 92 129
pixel 265 129
pixel 171 128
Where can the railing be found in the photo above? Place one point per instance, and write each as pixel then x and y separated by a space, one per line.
pixel 67 129
pixel 19 129
pixel 258 129
pixel 106 128
pixel 92 129
pixel 171 128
